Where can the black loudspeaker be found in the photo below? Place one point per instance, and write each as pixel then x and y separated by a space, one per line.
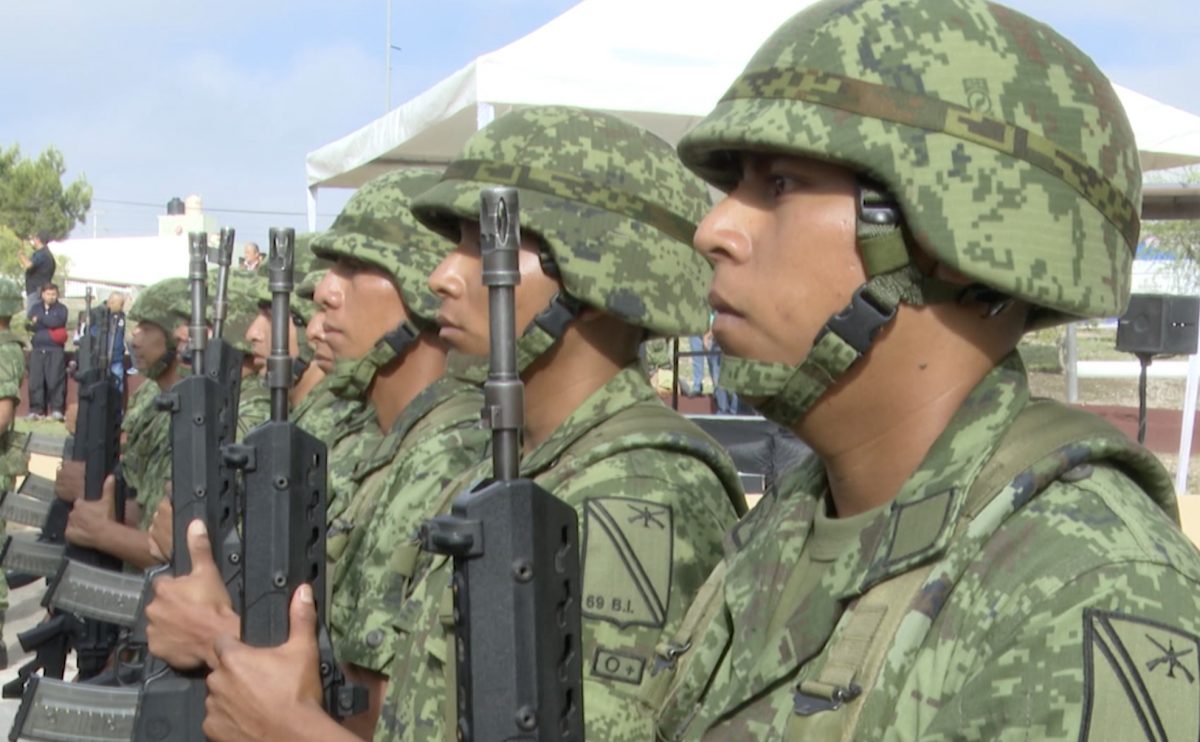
pixel 1160 325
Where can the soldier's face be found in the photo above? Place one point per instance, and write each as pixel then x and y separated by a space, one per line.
pixel 783 249
pixel 147 344
pixel 315 331
pixel 258 335
pixel 458 281
pixel 361 303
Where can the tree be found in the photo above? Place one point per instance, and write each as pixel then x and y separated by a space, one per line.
pixel 1179 238
pixel 33 200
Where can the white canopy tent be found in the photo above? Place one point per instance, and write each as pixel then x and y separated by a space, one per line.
pixel 642 59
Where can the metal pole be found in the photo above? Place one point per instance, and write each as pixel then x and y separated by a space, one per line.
pixel 388 56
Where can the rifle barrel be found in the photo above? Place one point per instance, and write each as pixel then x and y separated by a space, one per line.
pixel 279 364
pixel 499 242
pixel 197 277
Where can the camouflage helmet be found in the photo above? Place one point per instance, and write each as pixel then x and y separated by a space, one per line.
pixel 241 307
pixel 161 304
pixel 12 299
pixel 610 201
pixel 164 303
pixel 301 307
pixel 1006 148
pixel 376 227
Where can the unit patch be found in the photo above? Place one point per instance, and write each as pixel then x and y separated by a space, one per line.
pixel 627 561
pixel 1142 679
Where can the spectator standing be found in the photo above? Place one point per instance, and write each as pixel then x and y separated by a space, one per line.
pixel 39 267
pixel 112 314
pixel 47 367
pixel 251 256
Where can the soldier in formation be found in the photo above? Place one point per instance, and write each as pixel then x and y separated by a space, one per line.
pixel 14 461
pixel 909 188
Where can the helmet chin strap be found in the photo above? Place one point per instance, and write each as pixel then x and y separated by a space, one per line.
pixel 352 377
pixel 786 392
pixel 538 337
pixel 159 367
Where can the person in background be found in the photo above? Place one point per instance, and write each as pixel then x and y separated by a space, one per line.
pixel 112 314
pixel 39 267
pixel 251 257
pixel 47 365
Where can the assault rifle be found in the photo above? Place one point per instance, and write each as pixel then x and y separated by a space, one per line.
pixel 515 548
pixel 96 443
pixel 284 477
pixel 203 419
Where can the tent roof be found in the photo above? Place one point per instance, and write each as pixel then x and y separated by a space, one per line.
pixel 124 261
pixel 665 71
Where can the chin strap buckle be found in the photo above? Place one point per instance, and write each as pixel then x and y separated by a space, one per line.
pixel 859 322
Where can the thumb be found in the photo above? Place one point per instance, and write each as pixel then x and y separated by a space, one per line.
pixel 199 546
pixel 108 490
pixel 302 617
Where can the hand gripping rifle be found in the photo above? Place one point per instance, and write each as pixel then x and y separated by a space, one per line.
pixel 284 477
pixel 165 705
pixel 515 547
pixel 96 443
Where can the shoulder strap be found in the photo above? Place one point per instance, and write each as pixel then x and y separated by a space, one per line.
pixel 454 410
pixel 648 425
pixel 865 635
pixel 1043 427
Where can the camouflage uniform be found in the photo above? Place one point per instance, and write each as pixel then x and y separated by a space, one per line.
pixel 324 414
pixel 146 456
pixel 254 404
pixel 434 440
pixel 381 483
pixel 653 492
pixel 651 515
pixel 14 461
pixel 1027 581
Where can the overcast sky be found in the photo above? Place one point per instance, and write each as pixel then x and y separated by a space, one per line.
pixel 158 98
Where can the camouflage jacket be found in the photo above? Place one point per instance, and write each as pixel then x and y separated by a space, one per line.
pixel 146 457
pixel 13 459
pixel 254 404
pixel 1065 605
pixel 435 440
pixel 652 508
pixel 324 414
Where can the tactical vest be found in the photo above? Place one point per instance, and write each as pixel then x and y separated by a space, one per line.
pixel 868 634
